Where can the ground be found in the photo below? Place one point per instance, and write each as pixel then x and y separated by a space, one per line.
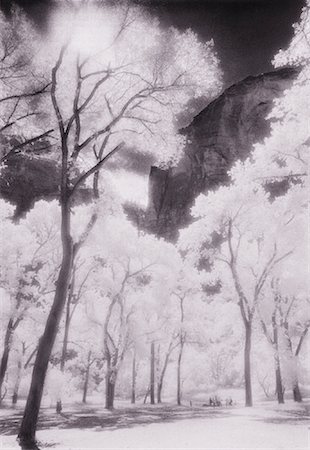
pixel 265 426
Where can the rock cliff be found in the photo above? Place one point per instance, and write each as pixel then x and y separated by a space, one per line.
pixel 25 180
pixel 222 133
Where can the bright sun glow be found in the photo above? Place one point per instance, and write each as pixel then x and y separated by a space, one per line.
pixel 89 31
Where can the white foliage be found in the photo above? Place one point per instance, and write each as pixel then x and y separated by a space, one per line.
pixel 148 81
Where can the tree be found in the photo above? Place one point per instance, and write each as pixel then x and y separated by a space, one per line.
pixel 24 345
pixel 282 158
pixel 287 306
pixel 220 340
pixel 273 337
pixel 125 274
pixel 22 277
pixel 173 344
pixel 230 235
pixel 182 336
pixel 133 378
pixel 21 88
pixel 79 279
pixel 90 362
pixel 187 286
pixel 288 315
pixel 152 374
pixel 279 164
pixel 123 97
pixel 85 359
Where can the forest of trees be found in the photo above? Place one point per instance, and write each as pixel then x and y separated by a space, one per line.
pixel 92 306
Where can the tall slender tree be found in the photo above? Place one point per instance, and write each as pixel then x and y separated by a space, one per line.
pixel 122 98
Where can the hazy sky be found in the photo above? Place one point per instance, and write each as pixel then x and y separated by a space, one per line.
pixel 247 33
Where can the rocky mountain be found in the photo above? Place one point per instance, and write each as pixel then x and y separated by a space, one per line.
pixel 222 133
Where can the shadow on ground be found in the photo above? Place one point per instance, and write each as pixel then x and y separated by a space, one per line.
pixel 290 417
pixel 95 418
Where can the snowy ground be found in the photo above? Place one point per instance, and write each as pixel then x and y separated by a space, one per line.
pixel 265 427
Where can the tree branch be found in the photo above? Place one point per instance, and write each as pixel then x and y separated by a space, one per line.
pixel 95 168
pixel 301 340
pixel 26 95
pixel 23 144
pixel 53 92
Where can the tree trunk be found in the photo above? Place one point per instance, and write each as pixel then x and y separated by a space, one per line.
pixel 85 388
pixel 296 392
pixel 159 389
pixel 110 384
pixel 66 337
pixel 279 385
pixel 64 350
pixel 17 383
pixel 163 372
pixel 182 342
pixel 146 396
pixel 134 377
pixel 31 356
pixel 15 397
pixel 179 381
pixel 5 354
pixel 110 392
pixel 30 419
pixel 19 375
pixel 152 374
pixel 58 406
pixel 110 396
pixel 247 364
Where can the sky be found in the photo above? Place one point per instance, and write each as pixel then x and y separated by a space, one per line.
pixel 247 33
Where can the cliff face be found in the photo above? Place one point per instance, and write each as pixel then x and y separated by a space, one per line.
pixel 222 133
pixel 25 180
pixel 30 176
